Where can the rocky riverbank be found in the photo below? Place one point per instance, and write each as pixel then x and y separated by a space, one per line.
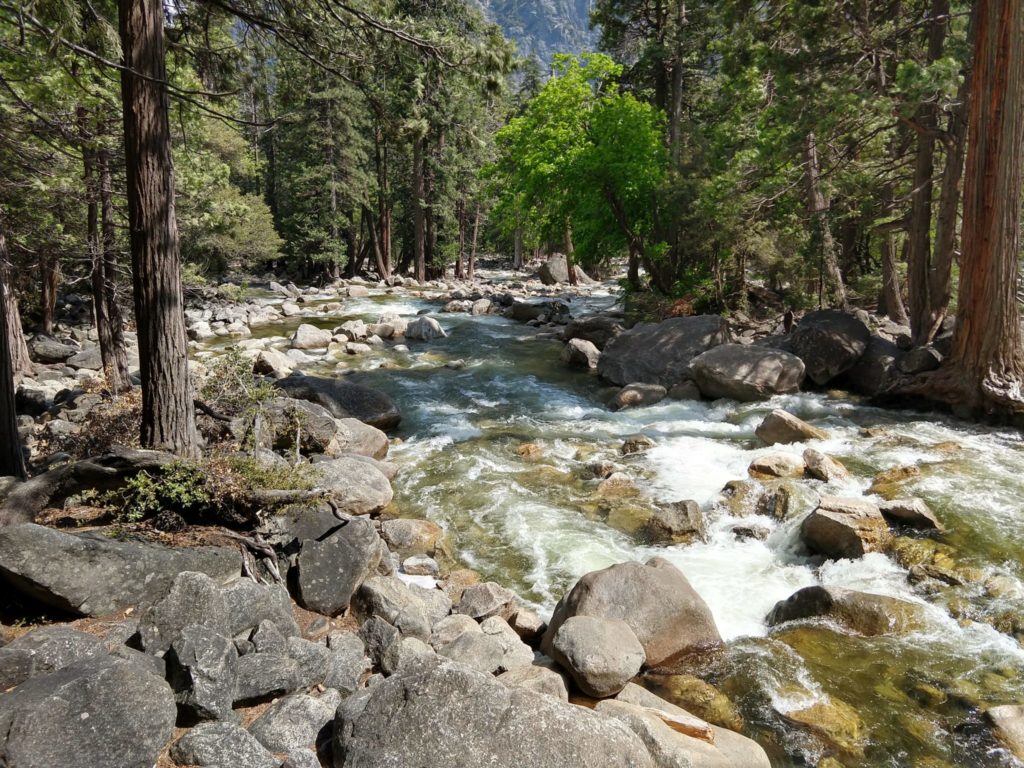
pixel 338 631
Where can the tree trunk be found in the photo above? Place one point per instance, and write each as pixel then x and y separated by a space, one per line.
pixel 944 252
pixel 985 371
pixel 818 209
pixel 517 249
pixel 892 297
pixel 12 460
pixel 471 272
pixel 920 257
pixel 418 216
pixel 110 326
pixel 460 260
pixel 168 415
pixel 50 284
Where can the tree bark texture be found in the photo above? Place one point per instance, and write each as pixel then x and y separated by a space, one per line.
pixel 817 206
pixel 168 416
pixel 419 215
pixel 109 323
pixel 12 460
pixel 987 359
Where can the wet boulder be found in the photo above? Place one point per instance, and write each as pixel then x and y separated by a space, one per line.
pixel 771 465
pixel 822 467
pixel 344 399
pixel 829 342
pixel 308 336
pixel 637 396
pixel 330 570
pixel 596 329
pixel 1008 722
pixel 580 353
pixel 782 427
pixel 602 655
pixel 680 522
pixel 746 373
pixel 462 718
pixel 100 712
pixel 425 328
pixel 93 575
pixel 660 353
pixel 912 512
pixel 862 612
pixel 834 723
pixel 654 598
pixel 845 528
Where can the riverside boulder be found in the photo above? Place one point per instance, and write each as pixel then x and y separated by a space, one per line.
pixel 829 342
pixel 580 353
pixel 330 570
pixel 782 427
pixel 595 329
pixel 100 712
pixel 654 598
pixel 660 353
pixel 746 373
pixel 602 655
pixel 344 399
pixel 354 487
pixel 436 712
pixel 93 575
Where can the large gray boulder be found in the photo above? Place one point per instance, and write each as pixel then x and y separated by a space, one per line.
pixel 49 351
pixel 829 342
pixel 308 336
pixel 286 419
pixel 355 438
pixel 596 329
pixel 602 655
pixel 250 604
pixel 99 712
pixel 555 270
pixel 580 353
pixel 294 722
pixel 354 487
pixel 746 373
pixel 780 427
pixel 45 650
pixel 201 667
pixel 660 353
pixel 344 399
pixel 94 575
pixel 654 598
pixel 329 571
pixel 389 599
pixel 875 369
pixel 193 598
pixel 425 328
pixel 845 528
pixel 446 714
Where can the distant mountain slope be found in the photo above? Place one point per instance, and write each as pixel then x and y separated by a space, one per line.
pixel 544 27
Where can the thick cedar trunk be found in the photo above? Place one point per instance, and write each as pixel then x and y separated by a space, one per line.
pixel 471 271
pixel 109 324
pixel 12 460
pixel 920 229
pixel 418 216
pixel 818 209
pixel 985 371
pixel 168 415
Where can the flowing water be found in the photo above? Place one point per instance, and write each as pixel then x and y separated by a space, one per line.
pixel 533 523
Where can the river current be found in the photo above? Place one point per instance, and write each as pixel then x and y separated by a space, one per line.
pixel 529 522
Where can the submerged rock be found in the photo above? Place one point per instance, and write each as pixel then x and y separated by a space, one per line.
pixel 1008 722
pixel 862 612
pixel 657 602
pixel 912 512
pixel 835 723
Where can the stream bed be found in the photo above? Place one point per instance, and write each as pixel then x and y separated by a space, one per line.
pixel 810 692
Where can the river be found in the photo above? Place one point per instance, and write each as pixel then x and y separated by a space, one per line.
pixel 532 523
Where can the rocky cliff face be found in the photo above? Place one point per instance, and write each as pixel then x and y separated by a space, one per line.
pixel 544 27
